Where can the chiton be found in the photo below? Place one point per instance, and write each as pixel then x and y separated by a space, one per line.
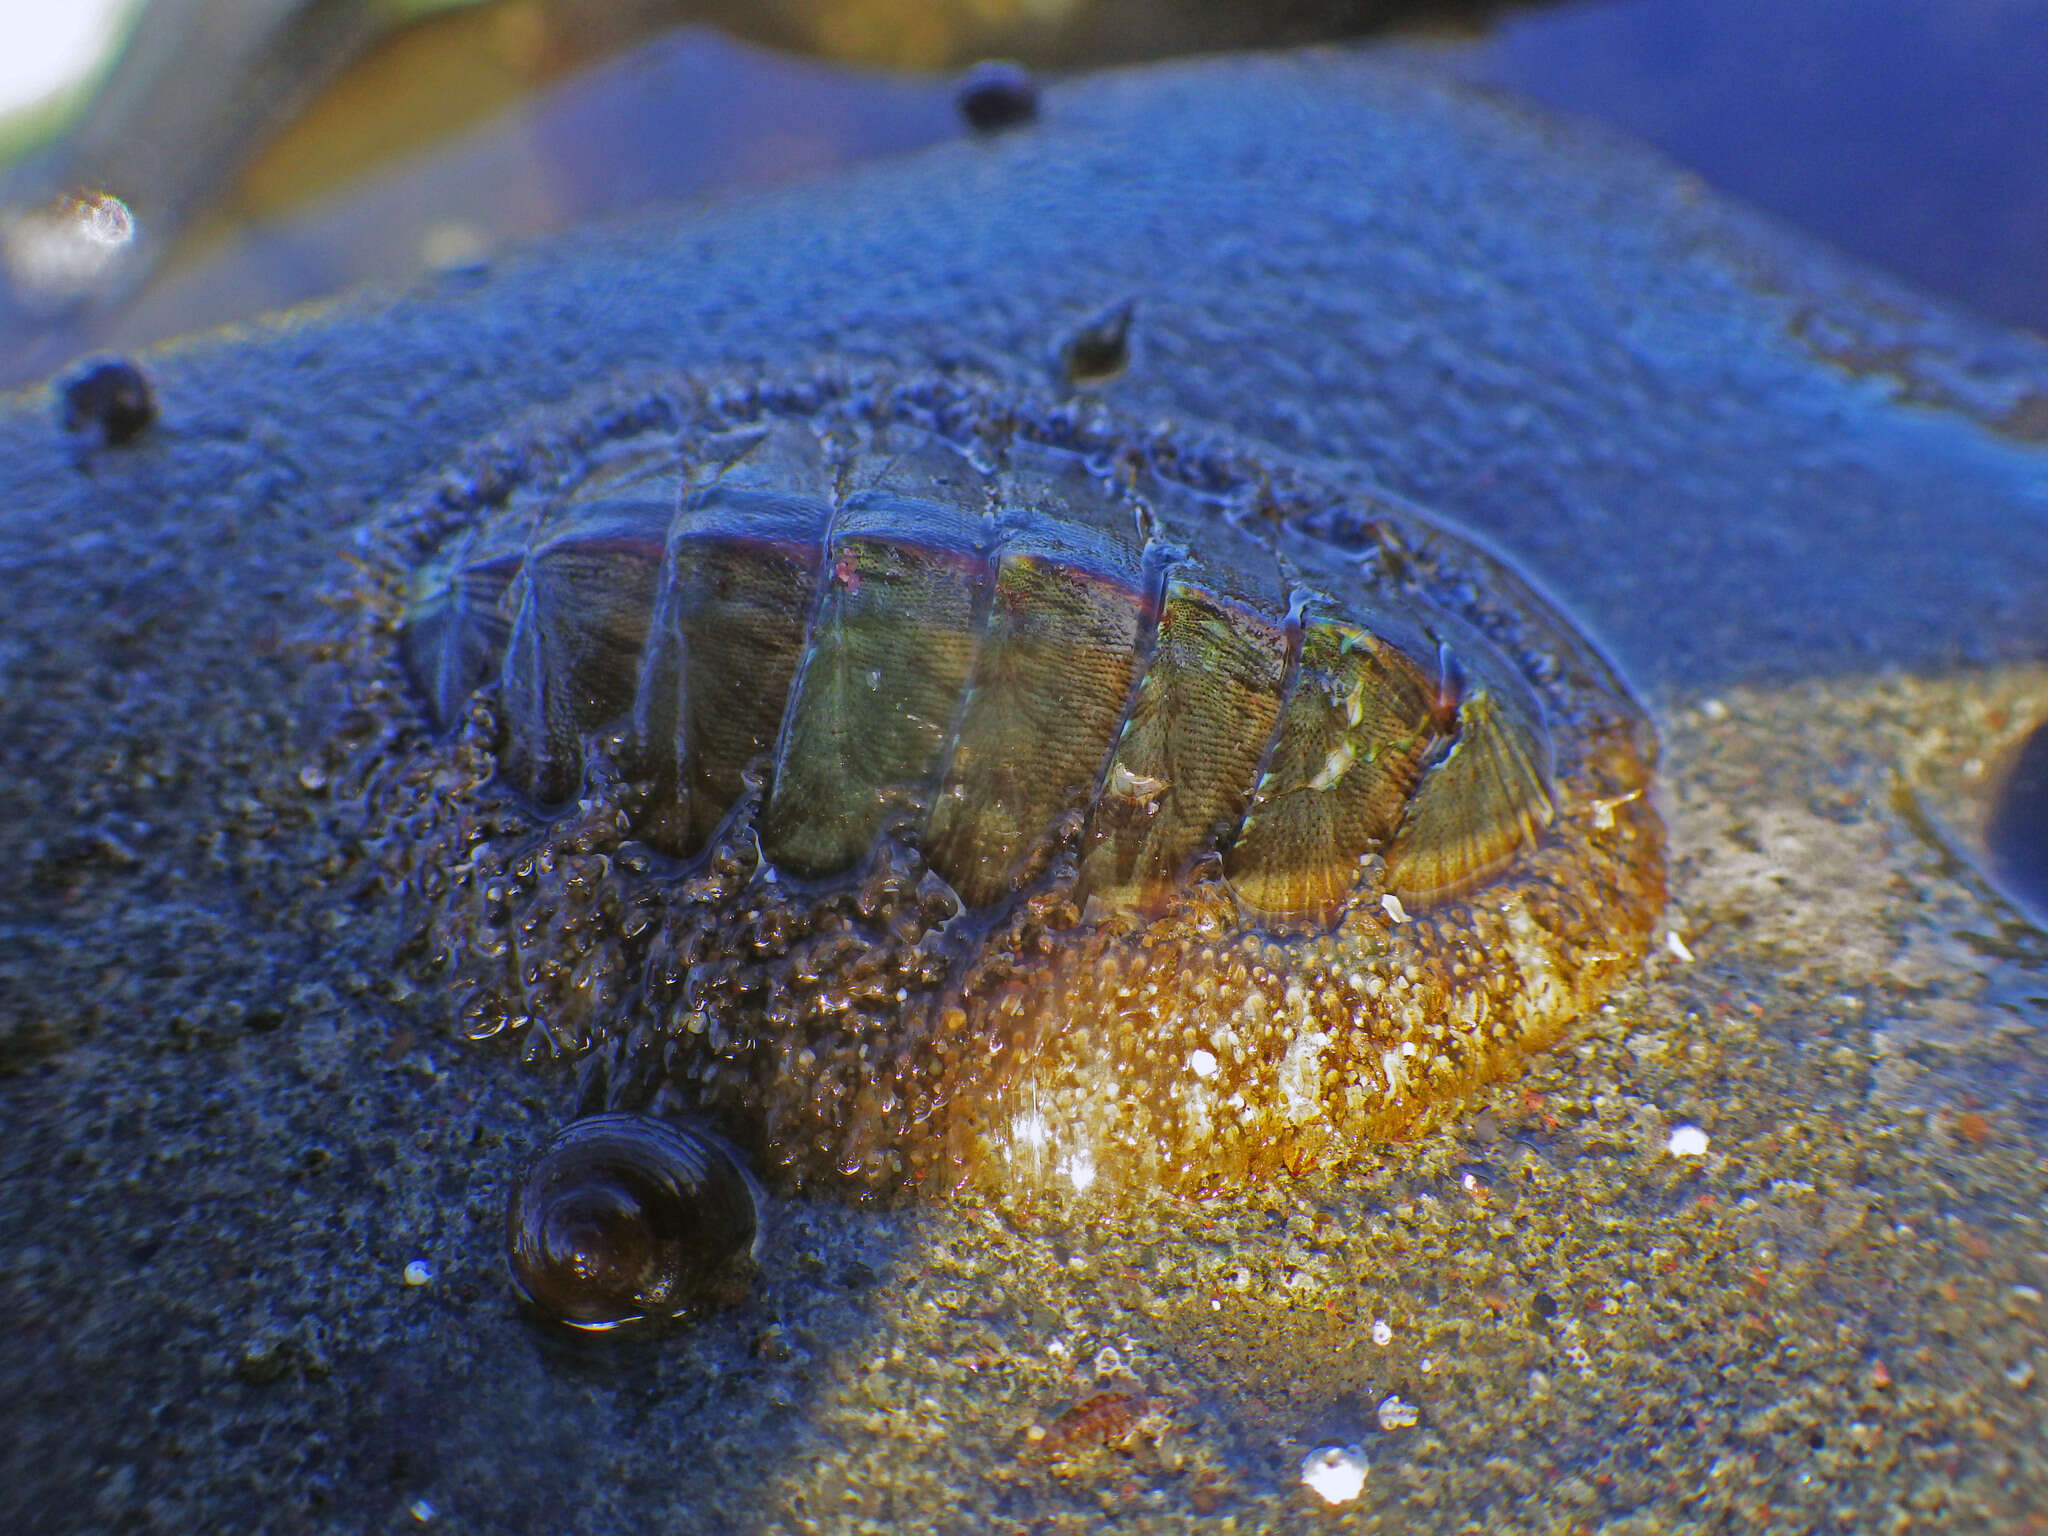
pixel 930 785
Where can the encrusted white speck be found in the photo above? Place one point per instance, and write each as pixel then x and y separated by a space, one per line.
pixel 1079 1167
pixel 1687 1141
pixel 1396 1414
pixel 1335 765
pixel 1300 1073
pixel 1335 1473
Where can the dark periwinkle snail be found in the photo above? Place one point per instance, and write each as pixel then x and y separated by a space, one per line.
pixel 997 95
pixel 110 399
pixel 624 1218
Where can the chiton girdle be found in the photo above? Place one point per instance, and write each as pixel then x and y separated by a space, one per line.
pixel 930 785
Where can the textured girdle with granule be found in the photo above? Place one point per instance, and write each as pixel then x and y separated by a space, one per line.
pixel 992 790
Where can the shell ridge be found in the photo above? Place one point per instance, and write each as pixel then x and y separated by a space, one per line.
pixel 661 704
pixel 523 691
pixel 807 652
pixel 1290 681
pixel 992 539
pixel 1158 562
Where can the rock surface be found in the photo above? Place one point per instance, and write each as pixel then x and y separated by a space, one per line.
pixel 1806 512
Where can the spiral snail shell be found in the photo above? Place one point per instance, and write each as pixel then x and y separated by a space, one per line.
pixel 621 1218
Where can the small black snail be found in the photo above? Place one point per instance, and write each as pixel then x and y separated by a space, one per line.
pixel 621 1218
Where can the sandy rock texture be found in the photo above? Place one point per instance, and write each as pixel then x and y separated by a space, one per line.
pixel 1807 512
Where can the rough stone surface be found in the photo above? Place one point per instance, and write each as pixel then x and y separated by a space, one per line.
pixel 1806 512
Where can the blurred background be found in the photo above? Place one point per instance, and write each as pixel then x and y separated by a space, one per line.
pixel 167 165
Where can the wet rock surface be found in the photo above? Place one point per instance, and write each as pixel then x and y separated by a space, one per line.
pixel 1805 512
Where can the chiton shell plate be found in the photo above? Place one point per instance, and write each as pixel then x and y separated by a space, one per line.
pixel 933 785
